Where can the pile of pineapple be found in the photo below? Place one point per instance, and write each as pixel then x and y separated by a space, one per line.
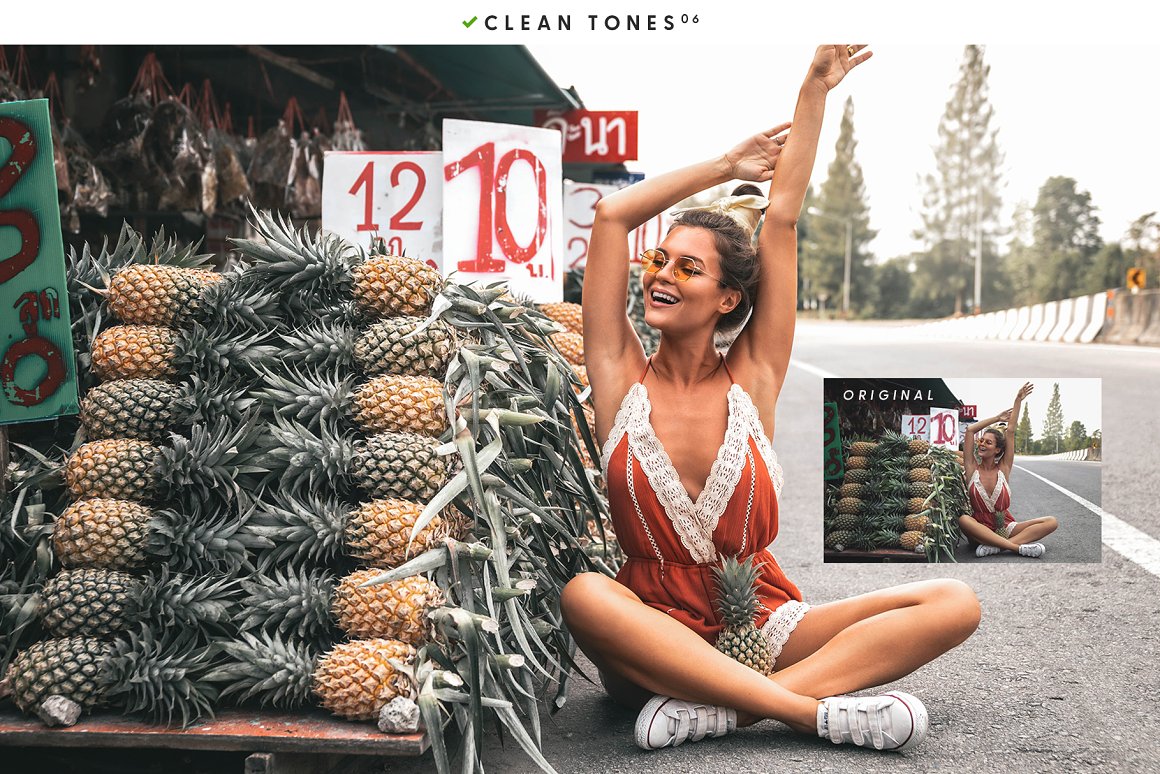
pixel 891 497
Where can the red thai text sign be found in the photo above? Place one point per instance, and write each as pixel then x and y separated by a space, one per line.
pixel 37 369
pixel 598 136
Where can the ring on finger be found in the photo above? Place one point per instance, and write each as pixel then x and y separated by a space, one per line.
pixel 850 50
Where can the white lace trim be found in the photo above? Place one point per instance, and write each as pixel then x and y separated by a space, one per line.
pixel 694 522
pixel 781 624
pixel 989 499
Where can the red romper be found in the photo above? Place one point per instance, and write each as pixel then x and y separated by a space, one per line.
pixel 986 506
pixel 672 543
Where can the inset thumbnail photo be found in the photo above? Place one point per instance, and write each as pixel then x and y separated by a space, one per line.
pixel 962 470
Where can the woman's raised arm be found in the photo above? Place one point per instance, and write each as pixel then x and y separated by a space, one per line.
pixel 763 347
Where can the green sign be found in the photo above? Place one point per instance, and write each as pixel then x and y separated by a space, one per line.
pixel 38 376
pixel 832 465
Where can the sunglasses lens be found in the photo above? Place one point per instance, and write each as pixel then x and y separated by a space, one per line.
pixel 652 261
pixel 684 269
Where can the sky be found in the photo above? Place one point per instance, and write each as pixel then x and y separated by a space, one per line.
pixel 1079 398
pixel 1082 111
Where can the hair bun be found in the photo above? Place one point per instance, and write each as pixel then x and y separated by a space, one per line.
pixel 747 189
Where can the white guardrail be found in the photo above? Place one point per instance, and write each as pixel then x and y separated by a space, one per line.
pixel 1073 320
pixel 1078 454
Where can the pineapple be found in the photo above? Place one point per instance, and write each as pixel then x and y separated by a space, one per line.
pixel 162 677
pixel 570 315
pixel 915 505
pixel 581 372
pixel 919 476
pixel 120 468
pixel 393 285
pixel 149 409
pixel 737 604
pixel 916 523
pixel 853 490
pixel 135 352
pixel 857 475
pixel 918 489
pixel 400 404
pixel 397 610
pixel 851 505
pixel 571 346
pixel 917 446
pixel 921 461
pixel 911 540
pixel 399 465
pixel 862 448
pixel 104 533
pixel 379 533
pixel 840 540
pixel 387 347
pixel 356 679
pixel 146 294
pixel 846 522
pixel 856 463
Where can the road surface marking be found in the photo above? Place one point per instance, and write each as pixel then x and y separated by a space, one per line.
pixel 809 369
pixel 1118 535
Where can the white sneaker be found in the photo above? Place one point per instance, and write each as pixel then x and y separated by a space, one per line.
pixel 667 722
pixel 1034 550
pixel 983 550
pixel 893 721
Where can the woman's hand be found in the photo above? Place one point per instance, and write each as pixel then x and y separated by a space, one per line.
pixel 831 63
pixel 754 158
pixel 1005 416
pixel 1024 391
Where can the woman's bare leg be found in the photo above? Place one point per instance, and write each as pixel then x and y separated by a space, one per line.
pixel 981 533
pixel 633 643
pixel 1033 529
pixel 902 628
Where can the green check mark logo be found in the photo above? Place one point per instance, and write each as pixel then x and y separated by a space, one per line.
pixel 470 22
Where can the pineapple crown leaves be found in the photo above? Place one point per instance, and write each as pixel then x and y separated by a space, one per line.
pixel 300 460
pixel 203 604
pixel 321 344
pixel 162 676
pixel 202 350
pixel 213 398
pixel 275 671
pixel 239 302
pixel 199 543
pixel 300 263
pixel 288 530
pixel 737 601
pixel 293 601
pixel 318 399
pixel 216 463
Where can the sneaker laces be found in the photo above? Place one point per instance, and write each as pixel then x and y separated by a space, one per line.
pixel 851 719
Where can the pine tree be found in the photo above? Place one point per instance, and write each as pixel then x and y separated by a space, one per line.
pixel 1077 437
pixel 1066 231
pixel 841 201
pixel 1053 424
pixel 1023 432
pixel 962 199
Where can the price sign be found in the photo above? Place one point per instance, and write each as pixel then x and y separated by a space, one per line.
pixel 591 136
pixel 832 466
pixel 393 196
pixel 916 426
pixel 502 205
pixel 579 214
pixel 37 370
pixel 968 412
pixel 944 427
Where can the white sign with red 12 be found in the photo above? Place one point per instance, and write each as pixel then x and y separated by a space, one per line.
pixel 916 426
pixel 502 204
pixel 579 214
pixel 944 427
pixel 394 196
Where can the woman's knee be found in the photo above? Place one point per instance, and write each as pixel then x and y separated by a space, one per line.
pixel 1051 522
pixel 960 604
pixel 584 598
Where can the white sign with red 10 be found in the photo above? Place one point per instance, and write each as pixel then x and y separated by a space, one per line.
pixel 394 196
pixel 502 205
pixel 944 427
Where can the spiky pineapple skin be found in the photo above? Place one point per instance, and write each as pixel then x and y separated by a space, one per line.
pixel 915 505
pixel 921 461
pixel 570 315
pixel 919 489
pixel 404 466
pixel 356 679
pixel 135 352
pixel 916 523
pixel 383 349
pixel 911 540
pixel 411 404
pixel 855 462
pixel 839 540
pixel 73 667
pixel 392 285
pixel 737 604
pixel 850 505
pixel 144 409
pixel 571 346
pixel 857 476
pixel 852 490
pixel 88 602
pixel 102 533
pixel 118 468
pixel 919 475
pixel 145 294
pixel 378 532
pixel 396 610
pixel 862 448
pixel 917 446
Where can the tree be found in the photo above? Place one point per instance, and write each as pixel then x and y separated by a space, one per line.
pixel 841 200
pixel 891 286
pixel 962 202
pixel 1067 236
pixel 1053 423
pixel 1077 437
pixel 1023 432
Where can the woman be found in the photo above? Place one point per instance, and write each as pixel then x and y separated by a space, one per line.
pixel 679 502
pixel 987 466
